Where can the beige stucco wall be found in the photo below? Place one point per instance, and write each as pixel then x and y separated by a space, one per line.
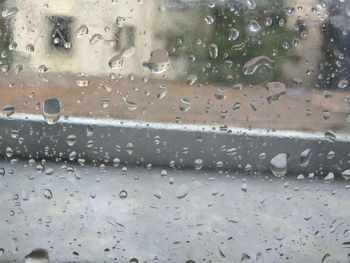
pixel 31 26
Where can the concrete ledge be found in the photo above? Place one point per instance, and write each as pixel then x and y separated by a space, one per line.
pixel 100 141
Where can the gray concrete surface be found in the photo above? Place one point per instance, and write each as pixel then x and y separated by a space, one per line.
pixel 186 215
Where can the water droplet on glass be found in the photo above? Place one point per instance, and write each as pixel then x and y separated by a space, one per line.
pixel 330 155
pixel 129 104
pixel 2 171
pixel 346 174
pixel 12 45
pixel 105 103
pixel 8 110
pixel 279 233
pixel 42 69
pixel 82 31
pixel 182 191
pixel 47 194
pixel 251 4
pixel 252 65
pixel 268 21
pixel 278 164
pixel 244 187
pixel 37 255
pixel 162 92
pixel 289 11
pixel 213 51
pixel 95 38
pixel 342 84
pixel 253 26
pixel 209 20
pixel 330 136
pixel 9 12
pixel 198 164
pixel 9 152
pixel 52 110
pixel 71 140
pixel 117 61
pixel 159 61
pixel 233 34
pixel 191 79
pixel 130 148
pixel 123 194
pixel 220 94
pixel 158 194
pixel 184 104
pixel 30 48
pixel 305 158
pixel 329 177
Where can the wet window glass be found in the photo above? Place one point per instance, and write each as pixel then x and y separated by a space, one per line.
pixel 175 131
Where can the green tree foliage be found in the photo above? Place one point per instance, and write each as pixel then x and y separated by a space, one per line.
pixel 270 41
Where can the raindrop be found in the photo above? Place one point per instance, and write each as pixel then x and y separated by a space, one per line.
pixel 325 257
pixel 305 158
pixel 330 136
pixel 209 20
pixel 279 233
pixel 52 110
pixel 117 61
pixel 129 104
pixel 345 174
pixel 278 164
pixel 49 171
pixel 30 48
pixel 116 162
pixel 330 155
pixel 213 51
pixel 329 177
pixel 95 38
pixel 9 152
pixel 130 148
pixel 244 187
pixel 251 4
pixel 159 61
pixel 71 140
pixel 123 194
pixel 37 255
pixel 220 94
pixel 233 34
pixel 268 21
pixel 289 11
pixel 47 194
pixel 42 69
pixel 12 45
pixel 237 106
pixel 162 92
pixel 253 26
pixel 182 191
pixel 184 104
pixel 191 79
pixel 342 84
pixel 105 103
pixel 82 31
pixel 8 110
pixel 198 164
pixel 252 65
pixel 158 194
pixel 9 12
